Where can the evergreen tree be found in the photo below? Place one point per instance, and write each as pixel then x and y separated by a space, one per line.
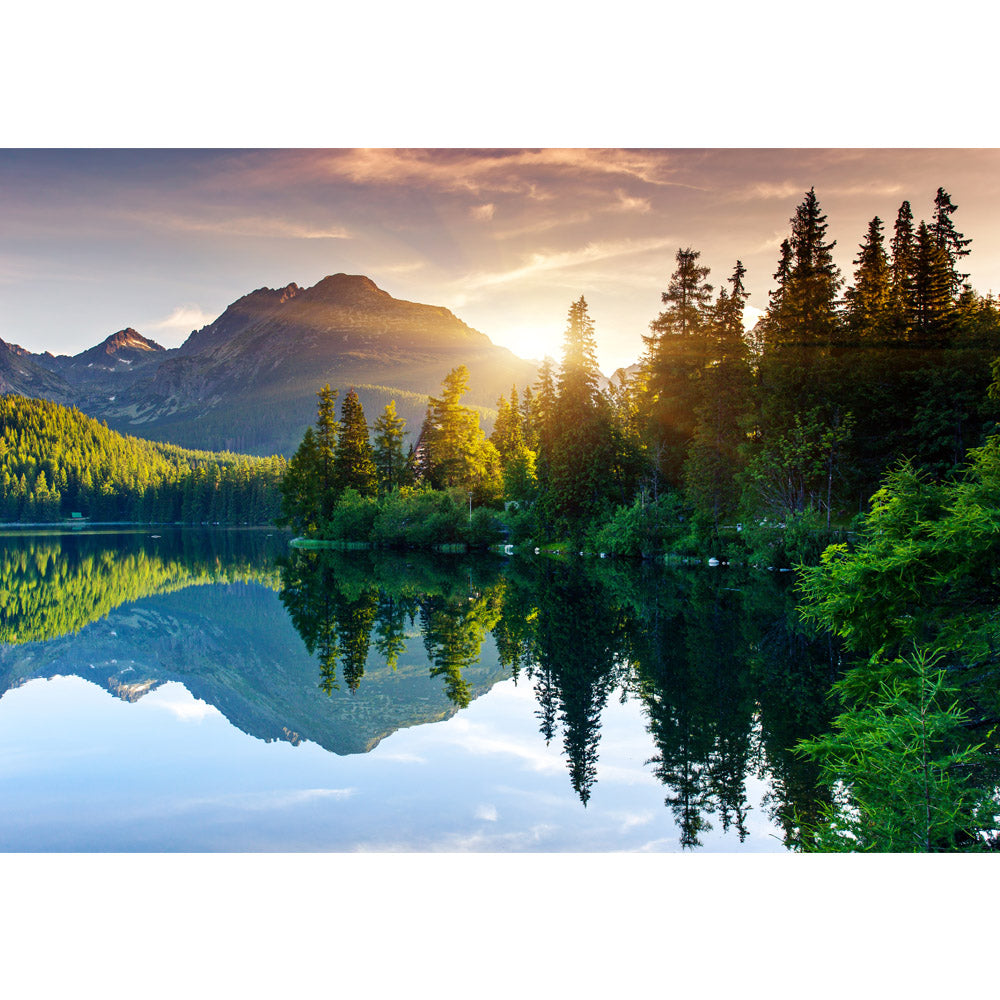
pixel 869 299
pixel 578 459
pixel 327 428
pixel 458 454
pixel 714 458
pixel 390 461
pixel 948 239
pixel 901 277
pixel 508 434
pixel 353 465
pixel 932 287
pixel 808 310
pixel 676 354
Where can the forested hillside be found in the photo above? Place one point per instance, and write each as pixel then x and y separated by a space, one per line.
pixel 55 461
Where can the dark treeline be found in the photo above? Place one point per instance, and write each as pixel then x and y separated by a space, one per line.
pixel 55 461
pixel 793 423
pixel 727 678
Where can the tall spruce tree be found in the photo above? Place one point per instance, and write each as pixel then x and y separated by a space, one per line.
pixel 809 299
pixel 577 459
pixel 327 430
pixel 901 274
pixel 869 298
pixel 933 281
pixel 714 457
pixel 949 239
pixel 675 356
pixel 387 453
pixel 458 454
pixel 354 466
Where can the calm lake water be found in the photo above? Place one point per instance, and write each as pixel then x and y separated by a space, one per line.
pixel 170 690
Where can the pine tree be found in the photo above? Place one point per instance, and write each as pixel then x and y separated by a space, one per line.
pixel 390 462
pixel 948 239
pixel 869 299
pixel 809 299
pixel 353 465
pixel 714 458
pixel 901 274
pixel 327 429
pixel 676 355
pixel 457 452
pixel 507 434
pixel 576 460
pixel 932 286
pixel 579 374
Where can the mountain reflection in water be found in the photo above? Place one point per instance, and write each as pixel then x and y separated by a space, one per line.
pixel 343 649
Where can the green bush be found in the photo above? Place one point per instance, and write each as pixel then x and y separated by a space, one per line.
pixel 641 530
pixel 800 540
pixel 352 519
pixel 484 529
pixel 901 767
pixel 419 517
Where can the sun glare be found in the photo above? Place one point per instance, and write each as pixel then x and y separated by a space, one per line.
pixel 532 342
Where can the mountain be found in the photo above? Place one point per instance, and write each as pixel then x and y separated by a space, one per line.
pixel 117 354
pixel 248 380
pixel 22 374
pixel 234 648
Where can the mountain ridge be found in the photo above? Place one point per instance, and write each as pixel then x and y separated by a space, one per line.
pixel 248 380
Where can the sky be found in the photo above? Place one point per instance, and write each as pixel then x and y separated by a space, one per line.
pixel 162 240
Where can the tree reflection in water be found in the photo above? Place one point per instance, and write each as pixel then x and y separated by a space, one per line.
pixel 727 678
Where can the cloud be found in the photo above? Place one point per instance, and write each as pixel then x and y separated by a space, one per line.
pixel 255 226
pixel 561 260
pixel 629 203
pixel 186 708
pixel 769 190
pixel 265 800
pixel 630 820
pixel 488 813
pixel 403 757
pixel 478 740
pixel 528 172
pixel 483 213
pixel 186 317
pixel 787 190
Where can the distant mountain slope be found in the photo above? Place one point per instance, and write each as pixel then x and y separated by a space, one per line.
pixel 248 380
pixel 116 353
pixel 22 374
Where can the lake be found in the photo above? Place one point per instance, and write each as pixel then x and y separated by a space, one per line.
pixel 182 690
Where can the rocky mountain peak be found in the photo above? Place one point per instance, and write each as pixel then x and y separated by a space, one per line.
pixel 348 289
pixel 128 338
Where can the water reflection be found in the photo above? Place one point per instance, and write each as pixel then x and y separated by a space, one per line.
pixel 344 648
pixel 727 678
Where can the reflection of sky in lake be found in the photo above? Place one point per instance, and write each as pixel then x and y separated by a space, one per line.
pixel 81 770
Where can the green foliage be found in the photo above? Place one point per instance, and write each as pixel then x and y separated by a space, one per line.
pixel 642 530
pixel 353 518
pixel 457 453
pixel 390 461
pixel 799 540
pixel 926 569
pixel 52 586
pixel 55 461
pixel 901 767
pixel 353 463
